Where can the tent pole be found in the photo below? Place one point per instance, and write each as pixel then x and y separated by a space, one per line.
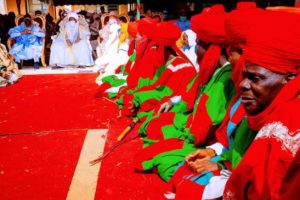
pixel 138 13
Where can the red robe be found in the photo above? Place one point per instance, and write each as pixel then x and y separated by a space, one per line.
pixel 270 165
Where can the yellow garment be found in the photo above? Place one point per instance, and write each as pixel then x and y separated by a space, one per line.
pixel 124 33
pixel 180 41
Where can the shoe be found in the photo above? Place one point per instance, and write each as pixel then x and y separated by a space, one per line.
pixel 36 65
pixel 20 65
pixel 57 67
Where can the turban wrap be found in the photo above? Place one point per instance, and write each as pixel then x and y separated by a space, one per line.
pixel 146 26
pixel 275 42
pixel 209 27
pixel 167 34
pixel 133 28
pixel 238 24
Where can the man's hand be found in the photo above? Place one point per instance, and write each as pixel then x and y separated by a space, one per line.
pixel 199 166
pixel 69 43
pixel 77 40
pixel 29 31
pixel 24 32
pixel 165 107
pixel 200 154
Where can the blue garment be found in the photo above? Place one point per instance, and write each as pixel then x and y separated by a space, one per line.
pixel 183 25
pixel 27 46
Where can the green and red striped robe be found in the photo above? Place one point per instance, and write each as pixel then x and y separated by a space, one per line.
pixel 149 60
pixel 213 102
pixel 190 185
pixel 172 82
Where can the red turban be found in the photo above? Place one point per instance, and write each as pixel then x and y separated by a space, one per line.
pixel 239 22
pixel 237 25
pixel 165 34
pixel 274 43
pixel 209 24
pixel 146 26
pixel 132 28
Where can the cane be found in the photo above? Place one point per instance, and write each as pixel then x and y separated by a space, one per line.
pixel 128 129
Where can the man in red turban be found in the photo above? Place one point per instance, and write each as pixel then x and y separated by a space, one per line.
pixel 270 95
pixel 173 80
pixel 149 58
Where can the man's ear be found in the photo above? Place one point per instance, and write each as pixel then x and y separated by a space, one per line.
pixel 290 76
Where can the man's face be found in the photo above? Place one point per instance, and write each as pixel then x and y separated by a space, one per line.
pixel 72 19
pixel 149 13
pixel 201 49
pixel 259 87
pixel 27 22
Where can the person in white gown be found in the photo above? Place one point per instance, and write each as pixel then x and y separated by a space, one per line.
pixel 107 39
pixel 116 57
pixel 72 46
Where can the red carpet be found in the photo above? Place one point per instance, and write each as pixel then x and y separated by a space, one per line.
pixel 38 167
pixel 53 102
pixel 42 166
pixel 117 178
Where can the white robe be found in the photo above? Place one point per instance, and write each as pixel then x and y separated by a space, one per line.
pixel 113 56
pixel 78 54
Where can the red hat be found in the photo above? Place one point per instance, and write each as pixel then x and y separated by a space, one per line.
pixel 274 43
pixel 165 34
pixel 209 24
pixel 239 22
pixel 146 26
pixel 237 25
pixel 132 28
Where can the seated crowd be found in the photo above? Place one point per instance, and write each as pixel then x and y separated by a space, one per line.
pixel 215 101
pixel 216 96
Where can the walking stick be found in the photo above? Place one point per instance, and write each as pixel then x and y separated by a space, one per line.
pixel 128 129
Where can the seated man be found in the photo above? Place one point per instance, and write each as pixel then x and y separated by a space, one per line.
pixel 72 46
pixel 183 21
pixel 270 93
pixel 106 39
pixel 115 53
pixel 9 72
pixel 110 84
pixel 28 42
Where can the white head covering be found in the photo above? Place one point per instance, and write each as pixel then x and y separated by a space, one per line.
pixel 72 14
pixel 192 37
pixel 190 52
pixel 72 31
